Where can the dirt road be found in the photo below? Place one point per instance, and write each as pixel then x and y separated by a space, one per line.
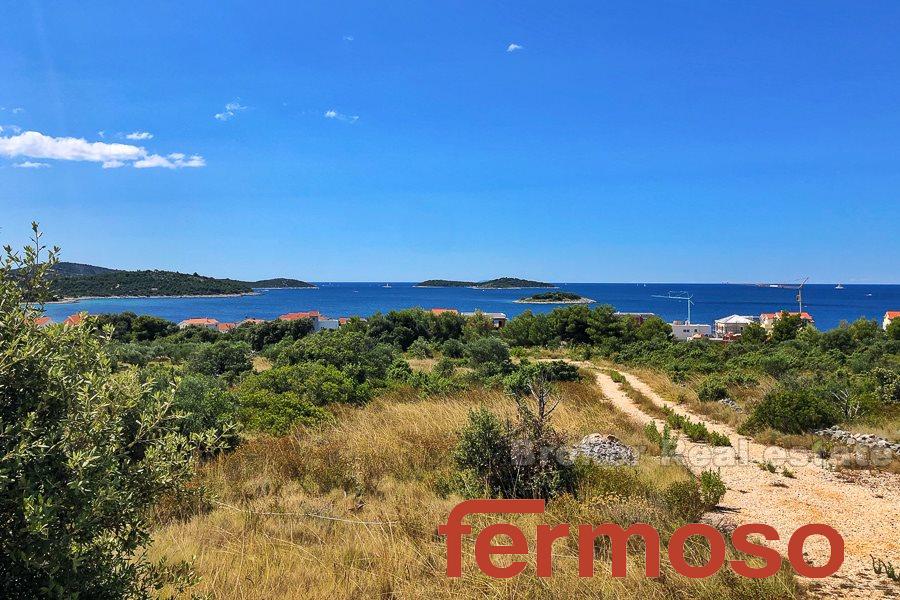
pixel 864 508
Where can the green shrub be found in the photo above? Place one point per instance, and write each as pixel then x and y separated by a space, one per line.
pixel 794 408
pixel 712 488
pixel 712 389
pixel 85 453
pixel 453 348
pixel 685 500
pixel 527 459
pixel 488 356
pixel 223 358
pixel 420 348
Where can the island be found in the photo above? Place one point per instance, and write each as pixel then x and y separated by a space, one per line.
pixel 555 298
pixel 501 283
pixel 76 280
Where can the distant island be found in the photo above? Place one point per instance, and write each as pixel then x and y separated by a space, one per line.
pixel 555 298
pixel 76 280
pixel 501 283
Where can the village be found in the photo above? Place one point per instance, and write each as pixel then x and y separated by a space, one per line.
pixel 725 329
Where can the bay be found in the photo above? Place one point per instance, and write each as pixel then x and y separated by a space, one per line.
pixel 828 306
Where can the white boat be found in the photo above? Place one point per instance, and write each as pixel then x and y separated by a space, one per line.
pixel 839 286
pixel 387 285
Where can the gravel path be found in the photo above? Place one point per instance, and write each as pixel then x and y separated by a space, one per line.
pixel 863 507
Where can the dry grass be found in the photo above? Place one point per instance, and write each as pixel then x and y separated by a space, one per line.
pixel 390 463
pixel 685 394
pixel 261 363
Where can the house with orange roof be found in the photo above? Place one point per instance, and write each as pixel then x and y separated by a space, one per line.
pixel 76 319
pixel 296 316
pixel 767 320
pixel 889 317
pixel 225 327
pixel 439 311
pixel 199 322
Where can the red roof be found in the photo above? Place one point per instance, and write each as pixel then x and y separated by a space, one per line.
pixel 294 316
pixel 892 314
pixel 223 327
pixel 75 319
pixel 440 311
pixel 343 320
pixel 804 315
pixel 199 321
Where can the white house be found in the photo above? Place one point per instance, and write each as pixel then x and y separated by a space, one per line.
pixel 689 331
pixel 889 316
pixel 325 323
pixel 732 325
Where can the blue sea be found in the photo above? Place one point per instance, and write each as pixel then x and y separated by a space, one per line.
pixel 828 306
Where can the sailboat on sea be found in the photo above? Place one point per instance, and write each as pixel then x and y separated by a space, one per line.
pixel 839 286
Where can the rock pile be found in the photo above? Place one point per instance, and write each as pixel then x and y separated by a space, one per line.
pixel 731 404
pixel 866 440
pixel 604 449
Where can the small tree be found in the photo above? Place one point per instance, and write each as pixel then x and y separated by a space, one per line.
pixel 84 454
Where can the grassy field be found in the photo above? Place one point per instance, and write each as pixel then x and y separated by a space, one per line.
pixel 351 511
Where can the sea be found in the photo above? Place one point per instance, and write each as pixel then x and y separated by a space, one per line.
pixel 828 305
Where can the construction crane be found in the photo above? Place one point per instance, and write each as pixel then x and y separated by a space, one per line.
pixel 680 296
pixel 799 288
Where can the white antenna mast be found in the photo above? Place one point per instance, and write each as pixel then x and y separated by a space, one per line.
pixel 680 296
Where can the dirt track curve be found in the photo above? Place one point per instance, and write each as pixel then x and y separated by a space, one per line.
pixel 864 509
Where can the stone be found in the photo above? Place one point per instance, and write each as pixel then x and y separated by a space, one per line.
pixel 604 449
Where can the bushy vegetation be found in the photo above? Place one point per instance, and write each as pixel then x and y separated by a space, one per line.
pixel 85 453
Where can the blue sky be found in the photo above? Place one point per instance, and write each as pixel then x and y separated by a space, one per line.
pixel 671 141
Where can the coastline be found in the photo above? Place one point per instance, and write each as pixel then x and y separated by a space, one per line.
pixel 79 298
pixel 579 301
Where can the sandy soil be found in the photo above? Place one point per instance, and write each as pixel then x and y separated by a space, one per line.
pixel 864 507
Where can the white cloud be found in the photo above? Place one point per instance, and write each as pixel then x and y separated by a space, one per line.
pixel 139 135
pixel 231 109
pixel 333 114
pixel 514 47
pixel 102 134
pixel 18 110
pixel 30 165
pixel 176 160
pixel 348 38
pixel 33 144
pixel 13 128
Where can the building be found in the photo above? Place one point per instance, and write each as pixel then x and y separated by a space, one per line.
pixel 732 326
pixel 312 315
pixel 439 311
pixel 498 319
pixel 250 321
pixel 889 316
pixel 76 319
pixel 767 320
pixel 640 317
pixel 319 321
pixel 689 331
pixel 199 322
pixel 225 327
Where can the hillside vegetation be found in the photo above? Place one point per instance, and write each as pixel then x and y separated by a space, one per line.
pixel 75 280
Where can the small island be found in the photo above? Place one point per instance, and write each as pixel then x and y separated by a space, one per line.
pixel 555 298
pixel 501 283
